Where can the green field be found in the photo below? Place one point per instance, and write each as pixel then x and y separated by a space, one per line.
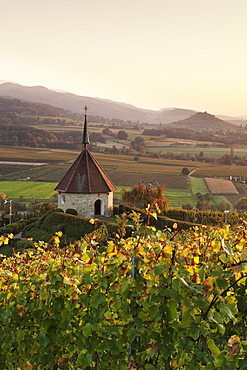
pixel 179 197
pixel 29 189
pixel 207 151
pixel 198 185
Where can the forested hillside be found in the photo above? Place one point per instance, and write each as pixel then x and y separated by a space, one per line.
pixel 25 108
pixel 20 135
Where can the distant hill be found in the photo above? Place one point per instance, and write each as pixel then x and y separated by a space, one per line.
pixel 22 107
pixel 203 122
pixel 97 107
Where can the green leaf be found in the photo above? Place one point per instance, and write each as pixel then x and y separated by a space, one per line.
pixel 226 311
pixel 175 284
pixel 95 300
pixel 213 348
pixel 172 310
pixel 116 346
pixel 209 367
pixel 219 360
pixel 158 269
pixel 87 330
pixel 150 367
pixel 243 363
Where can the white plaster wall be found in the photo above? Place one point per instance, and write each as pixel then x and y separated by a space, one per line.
pixel 84 203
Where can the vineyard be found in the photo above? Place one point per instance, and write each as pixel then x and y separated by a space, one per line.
pixel 48 173
pixel 131 179
pixel 219 186
pixel 223 171
pixel 25 154
pixel 159 300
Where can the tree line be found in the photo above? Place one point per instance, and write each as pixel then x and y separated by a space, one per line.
pixel 227 138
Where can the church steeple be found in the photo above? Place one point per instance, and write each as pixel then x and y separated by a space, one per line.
pixel 85 137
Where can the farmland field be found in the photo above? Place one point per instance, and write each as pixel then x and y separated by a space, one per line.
pixel 25 154
pixel 198 185
pixel 223 171
pixel 216 152
pixel 49 173
pixel 179 197
pixel 30 190
pixel 219 186
pixel 122 169
pixel 216 199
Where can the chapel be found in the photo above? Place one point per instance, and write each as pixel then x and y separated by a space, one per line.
pixel 85 187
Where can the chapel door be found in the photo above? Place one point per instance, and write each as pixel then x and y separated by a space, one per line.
pixel 97 207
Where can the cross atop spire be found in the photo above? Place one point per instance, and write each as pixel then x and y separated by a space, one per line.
pixel 85 137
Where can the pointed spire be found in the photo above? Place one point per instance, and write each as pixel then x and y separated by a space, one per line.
pixel 85 138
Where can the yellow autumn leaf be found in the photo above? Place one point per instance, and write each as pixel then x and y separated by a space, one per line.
pixel 113 253
pixel 154 215
pixel 56 239
pixel 148 276
pixel 59 233
pixel 67 281
pixel 196 259
pixel 85 258
pixel 110 247
pixel 168 249
pixel 190 269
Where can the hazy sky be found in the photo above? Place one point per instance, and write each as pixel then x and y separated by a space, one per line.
pixel 150 53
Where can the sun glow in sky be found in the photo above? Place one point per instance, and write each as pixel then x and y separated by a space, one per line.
pixel 152 53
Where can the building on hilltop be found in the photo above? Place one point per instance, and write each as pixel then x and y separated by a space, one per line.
pixel 86 187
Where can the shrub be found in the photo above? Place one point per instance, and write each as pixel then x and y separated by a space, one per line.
pixel 71 211
pixel 187 206
pixel 23 244
pixel 185 171
pixel 73 227
pixel 241 204
pixel 115 210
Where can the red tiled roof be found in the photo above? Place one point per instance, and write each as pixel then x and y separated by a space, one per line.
pixel 85 176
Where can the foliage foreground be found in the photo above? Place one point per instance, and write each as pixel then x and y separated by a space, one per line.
pixel 161 300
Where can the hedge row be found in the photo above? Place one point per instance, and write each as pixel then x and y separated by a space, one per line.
pixel 161 222
pixel 187 218
pixel 72 227
pixel 16 227
pixel 205 217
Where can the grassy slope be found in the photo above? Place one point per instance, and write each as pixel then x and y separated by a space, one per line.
pixel 29 189
pixel 198 185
